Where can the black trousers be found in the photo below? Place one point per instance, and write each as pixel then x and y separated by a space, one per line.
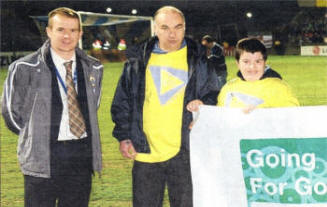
pixel 150 179
pixel 71 178
pixel 66 191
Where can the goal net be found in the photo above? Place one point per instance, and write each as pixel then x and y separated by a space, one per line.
pixel 107 33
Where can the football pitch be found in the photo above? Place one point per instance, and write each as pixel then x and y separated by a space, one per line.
pixel 307 77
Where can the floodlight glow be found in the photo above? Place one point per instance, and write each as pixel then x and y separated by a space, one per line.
pixel 134 11
pixel 109 10
pixel 249 14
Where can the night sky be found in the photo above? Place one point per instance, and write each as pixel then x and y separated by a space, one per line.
pixel 18 31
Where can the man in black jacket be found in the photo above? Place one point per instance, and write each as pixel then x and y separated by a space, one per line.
pixel 151 122
pixel 215 54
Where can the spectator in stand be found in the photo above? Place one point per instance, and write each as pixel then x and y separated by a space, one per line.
pixel 216 58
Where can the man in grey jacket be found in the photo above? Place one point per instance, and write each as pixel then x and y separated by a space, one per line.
pixel 56 155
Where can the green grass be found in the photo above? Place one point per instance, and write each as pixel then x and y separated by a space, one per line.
pixel 306 75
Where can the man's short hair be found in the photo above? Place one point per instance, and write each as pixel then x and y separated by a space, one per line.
pixel 208 38
pixel 65 12
pixel 251 45
pixel 168 8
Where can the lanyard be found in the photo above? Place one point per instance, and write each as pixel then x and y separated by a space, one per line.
pixel 62 82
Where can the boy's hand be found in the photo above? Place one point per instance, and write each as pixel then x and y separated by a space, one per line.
pixel 191 125
pixel 248 109
pixel 193 106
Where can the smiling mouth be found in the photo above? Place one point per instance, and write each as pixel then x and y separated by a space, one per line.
pixel 66 43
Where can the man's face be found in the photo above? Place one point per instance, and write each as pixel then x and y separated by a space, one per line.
pixel 204 43
pixel 251 65
pixel 64 35
pixel 170 30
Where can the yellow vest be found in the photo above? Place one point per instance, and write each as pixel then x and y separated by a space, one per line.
pixel 268 92
pixel 165 81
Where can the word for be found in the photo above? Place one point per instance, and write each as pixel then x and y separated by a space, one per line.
pixel 303 186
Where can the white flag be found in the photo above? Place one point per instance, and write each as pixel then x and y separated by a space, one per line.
pixel 274 157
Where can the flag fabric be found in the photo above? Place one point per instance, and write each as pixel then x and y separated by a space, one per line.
pixel 269 158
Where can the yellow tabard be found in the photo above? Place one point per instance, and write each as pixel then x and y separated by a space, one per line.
pixel 165 81
pixel 265 93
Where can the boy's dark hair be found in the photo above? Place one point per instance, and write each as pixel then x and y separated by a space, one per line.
pixel 251 45
pixel 207 38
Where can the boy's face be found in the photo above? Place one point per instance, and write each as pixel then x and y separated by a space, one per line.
pixel 251 65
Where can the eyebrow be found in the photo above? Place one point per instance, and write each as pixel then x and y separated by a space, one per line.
pixel 178 25
pixel 249 59
pixel 68 28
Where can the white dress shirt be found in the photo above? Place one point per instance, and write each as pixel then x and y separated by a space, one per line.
pixel 64 131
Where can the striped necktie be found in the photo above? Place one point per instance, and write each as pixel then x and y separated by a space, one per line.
pixel 76 120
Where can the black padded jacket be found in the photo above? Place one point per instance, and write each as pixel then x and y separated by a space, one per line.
pixel 127 105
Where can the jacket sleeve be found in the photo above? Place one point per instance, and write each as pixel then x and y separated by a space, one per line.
pixel 121 105
pixel 217 59
pixel 207 83
pixel 14 91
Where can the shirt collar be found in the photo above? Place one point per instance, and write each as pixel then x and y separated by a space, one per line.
pixel 59 60
pixel 156 48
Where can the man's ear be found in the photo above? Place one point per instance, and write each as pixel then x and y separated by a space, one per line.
pixel 80 34
pixel 154 29
pixel 48 30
